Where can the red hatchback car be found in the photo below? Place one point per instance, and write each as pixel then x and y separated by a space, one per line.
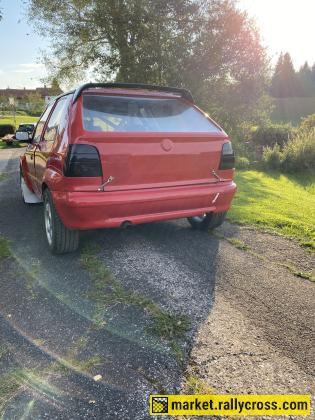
pixel 112 155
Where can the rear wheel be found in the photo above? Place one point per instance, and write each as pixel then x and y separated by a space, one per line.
pixel 207 220
pixel 61 240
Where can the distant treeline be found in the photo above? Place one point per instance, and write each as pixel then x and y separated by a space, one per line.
pixel 286 82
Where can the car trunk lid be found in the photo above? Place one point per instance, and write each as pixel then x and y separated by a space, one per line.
pixel 155 160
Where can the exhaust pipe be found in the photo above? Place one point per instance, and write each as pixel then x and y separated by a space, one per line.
pixel 126 224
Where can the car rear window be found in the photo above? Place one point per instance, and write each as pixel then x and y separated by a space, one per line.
pixel 130 114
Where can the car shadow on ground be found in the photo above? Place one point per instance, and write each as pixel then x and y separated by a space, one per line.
pixel 94 340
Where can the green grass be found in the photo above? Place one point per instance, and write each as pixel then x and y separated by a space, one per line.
pixel 8 119
pixel 4 248
pixel 17 380
pixel 238 244
pixel 292 109
pixel 36 380
pixel 14 145
pixel 280 203
pixel 3 350
pixel 195 385
pixel 73 361
pixel 107 291
pixel 298 273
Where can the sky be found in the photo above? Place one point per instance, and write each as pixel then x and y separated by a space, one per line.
pixel 285 25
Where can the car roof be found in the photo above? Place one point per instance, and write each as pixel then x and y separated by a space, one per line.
pixel 130 89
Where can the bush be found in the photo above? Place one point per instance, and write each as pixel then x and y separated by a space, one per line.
pixel 6 129
pixel 272 134
pixel 308 123
pixel 272 157
pixel 242 162
pixel 299 154
pixel 243 144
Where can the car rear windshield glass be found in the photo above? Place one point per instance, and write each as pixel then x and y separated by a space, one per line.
pixel 130 114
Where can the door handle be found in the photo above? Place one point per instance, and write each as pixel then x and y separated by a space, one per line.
pixel 32 157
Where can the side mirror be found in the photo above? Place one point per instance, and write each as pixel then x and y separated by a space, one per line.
pixel 22 136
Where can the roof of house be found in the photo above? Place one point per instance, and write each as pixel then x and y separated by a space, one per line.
pixel 20 93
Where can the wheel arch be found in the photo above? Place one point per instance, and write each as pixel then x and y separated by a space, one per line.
pixel 51 180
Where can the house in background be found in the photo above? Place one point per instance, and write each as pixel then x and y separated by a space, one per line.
pixel 23 98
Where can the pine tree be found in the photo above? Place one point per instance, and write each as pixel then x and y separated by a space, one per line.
pixel 306 80
pixel 285 82
pixel 276 82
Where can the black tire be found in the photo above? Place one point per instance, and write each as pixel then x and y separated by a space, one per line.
pixel 61 240
pixel 207 221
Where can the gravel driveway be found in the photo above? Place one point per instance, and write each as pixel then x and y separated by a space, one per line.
pixel 66 351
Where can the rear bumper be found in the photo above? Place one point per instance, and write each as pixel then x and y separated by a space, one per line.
pixel 93 210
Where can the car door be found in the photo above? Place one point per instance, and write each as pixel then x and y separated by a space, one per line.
pixel 52 130
pixel 31 149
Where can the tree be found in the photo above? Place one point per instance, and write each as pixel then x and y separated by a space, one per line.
pixel 209 46
pixel 285 82
pixel 4 104
pixel 306 80
pixel 117 39
pixel 55 89
pixel 35 103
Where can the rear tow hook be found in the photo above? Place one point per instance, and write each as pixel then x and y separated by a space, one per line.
pixel 108 181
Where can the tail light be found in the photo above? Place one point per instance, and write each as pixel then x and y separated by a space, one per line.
pixel 227 156
pixel 82 160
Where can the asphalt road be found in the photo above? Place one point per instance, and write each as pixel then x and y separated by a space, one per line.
pixel 251 320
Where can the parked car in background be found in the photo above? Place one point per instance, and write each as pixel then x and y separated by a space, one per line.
pixel 25 131
pixel 113 155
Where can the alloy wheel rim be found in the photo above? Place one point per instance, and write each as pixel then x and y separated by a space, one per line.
pixel 48 223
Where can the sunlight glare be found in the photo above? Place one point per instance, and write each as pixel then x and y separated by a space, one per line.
pixel 285 25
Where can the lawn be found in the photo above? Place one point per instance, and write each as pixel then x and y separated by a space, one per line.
pixel 276 202
pixel 19 119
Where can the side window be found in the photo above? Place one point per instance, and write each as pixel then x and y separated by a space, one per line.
pixel 57 119
pixel 41 124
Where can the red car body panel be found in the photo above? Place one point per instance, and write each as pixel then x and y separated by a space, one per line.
pixel 157 176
